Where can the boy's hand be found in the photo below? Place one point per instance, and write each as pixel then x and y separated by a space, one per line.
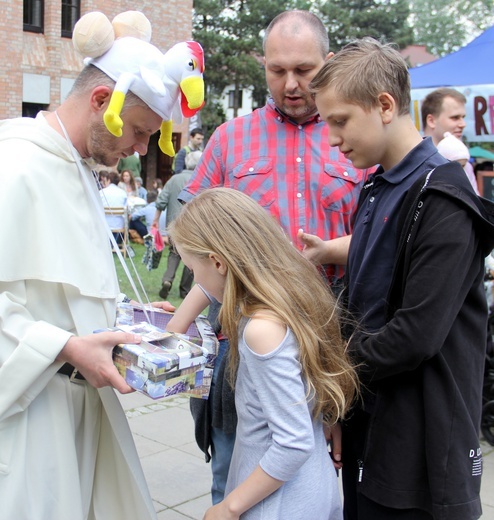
pixel 314 247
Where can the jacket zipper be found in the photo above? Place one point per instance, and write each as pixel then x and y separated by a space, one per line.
pixel 360 469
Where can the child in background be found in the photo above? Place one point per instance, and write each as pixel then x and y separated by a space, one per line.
pixel 287 357
pixel 453 149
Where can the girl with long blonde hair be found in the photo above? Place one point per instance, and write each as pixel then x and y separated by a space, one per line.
pixel 287 357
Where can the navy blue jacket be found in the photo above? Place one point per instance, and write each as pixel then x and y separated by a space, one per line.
pixel 425 366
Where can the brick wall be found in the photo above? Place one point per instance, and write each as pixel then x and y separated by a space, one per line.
pixel 52 56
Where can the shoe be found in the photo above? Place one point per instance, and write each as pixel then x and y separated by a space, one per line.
pixel 165 289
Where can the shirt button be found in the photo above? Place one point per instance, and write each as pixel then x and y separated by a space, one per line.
pixel 251 169
pixel 299 195
pixel 300 127
pixel 298 159
pixel 345 174
pixel 371 199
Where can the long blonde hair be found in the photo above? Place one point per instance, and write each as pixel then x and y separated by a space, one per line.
pixel 265 271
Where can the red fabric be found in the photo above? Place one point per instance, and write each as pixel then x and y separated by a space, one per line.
pixel 158 239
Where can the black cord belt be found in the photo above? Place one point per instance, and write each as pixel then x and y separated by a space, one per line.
pixel 68 370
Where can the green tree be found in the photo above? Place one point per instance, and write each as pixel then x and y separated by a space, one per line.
pixel 230 33
pixel 444 26
pixel 384 20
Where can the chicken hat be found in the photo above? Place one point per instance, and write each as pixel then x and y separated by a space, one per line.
pixel 171 84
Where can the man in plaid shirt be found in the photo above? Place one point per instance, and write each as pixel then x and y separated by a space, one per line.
pixel 280 156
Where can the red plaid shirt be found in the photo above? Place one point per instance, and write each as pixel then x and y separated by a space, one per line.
pixel 287 168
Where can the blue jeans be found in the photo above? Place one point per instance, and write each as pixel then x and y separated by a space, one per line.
pixel 222 443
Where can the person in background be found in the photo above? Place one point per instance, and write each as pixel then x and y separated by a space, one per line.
pixel 196 138
pixel 66 449
pixel 113 197
pixel 128 183
pixel 415 271
pixel 157 185
pixel 168 201
pixel 279 155
pixel 132 162
pixel 290 369
pixel 455 150
pixel 142 192
pixel 444 110
pixel 141 219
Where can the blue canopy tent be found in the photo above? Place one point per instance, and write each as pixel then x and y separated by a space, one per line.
pixel 471 65
pixel 468 70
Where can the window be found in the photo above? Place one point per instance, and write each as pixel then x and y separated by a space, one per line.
pixel 32 109
pixel 231 99
pixel 71 12
pixel 33 15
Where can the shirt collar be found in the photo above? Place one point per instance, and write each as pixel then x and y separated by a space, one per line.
pixel 410 163
pixel 282 117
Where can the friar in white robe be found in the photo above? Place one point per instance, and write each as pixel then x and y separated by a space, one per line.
pixel 66 449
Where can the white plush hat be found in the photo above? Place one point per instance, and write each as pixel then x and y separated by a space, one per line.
pixel 135 60
pixel 171 84
pixel 453 148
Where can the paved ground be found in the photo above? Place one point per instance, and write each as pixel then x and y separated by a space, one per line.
pixel 178 477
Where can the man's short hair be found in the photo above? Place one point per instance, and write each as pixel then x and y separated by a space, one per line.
pixel 364 69
pixel 196 131
pixel 114 177
pixel 91 77
pixel 295 21
pixel 433 102
pixel 152 196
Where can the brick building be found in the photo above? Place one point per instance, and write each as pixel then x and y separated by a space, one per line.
pixel 39 64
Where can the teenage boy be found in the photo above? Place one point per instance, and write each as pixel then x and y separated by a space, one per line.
pixel 415 266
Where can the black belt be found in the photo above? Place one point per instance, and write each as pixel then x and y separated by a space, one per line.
pixel 68 370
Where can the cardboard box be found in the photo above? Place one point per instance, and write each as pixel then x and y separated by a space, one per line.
pixel 166 364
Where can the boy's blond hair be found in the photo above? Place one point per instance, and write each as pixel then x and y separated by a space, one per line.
pixel 266 272
pixel 364 69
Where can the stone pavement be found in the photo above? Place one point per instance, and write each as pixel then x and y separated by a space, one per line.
pixel 178 477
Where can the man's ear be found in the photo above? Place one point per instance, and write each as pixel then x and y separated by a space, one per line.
pixel 219 263
pixel 100 97
pixel 430 121
pixel 387 106
pixel 329 56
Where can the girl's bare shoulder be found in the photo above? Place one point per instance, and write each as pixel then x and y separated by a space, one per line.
pixel 264 332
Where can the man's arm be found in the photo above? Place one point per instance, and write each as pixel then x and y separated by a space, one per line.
pixel 161 203
pixel 210 172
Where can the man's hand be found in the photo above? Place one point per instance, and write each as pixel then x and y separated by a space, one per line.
pixel 92 356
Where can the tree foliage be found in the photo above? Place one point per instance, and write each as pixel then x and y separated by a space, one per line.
pixel 384 20
pixel 444 26
pixel 230 33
